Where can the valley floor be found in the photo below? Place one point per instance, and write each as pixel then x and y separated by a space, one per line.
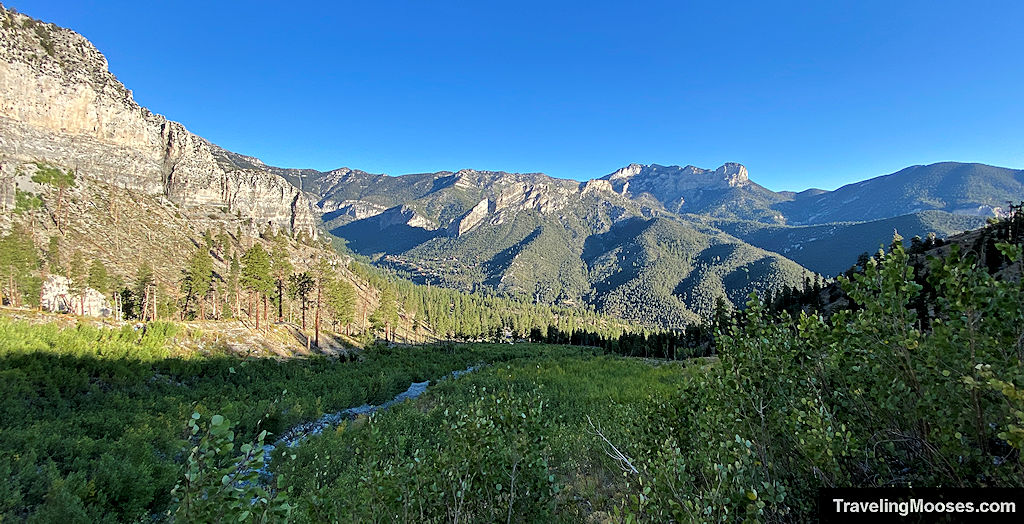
pixel 94 414
pixel 105 423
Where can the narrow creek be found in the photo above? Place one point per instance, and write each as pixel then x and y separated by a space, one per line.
pixel 296 434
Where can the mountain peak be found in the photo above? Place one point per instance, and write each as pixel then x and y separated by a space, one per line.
pixel 626 173
pixel 730 174
pixel 733 174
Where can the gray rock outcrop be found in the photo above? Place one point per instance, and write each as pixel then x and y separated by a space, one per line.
pixel 56 296
pixel 470 220
pixel 60 104
pixel 667 182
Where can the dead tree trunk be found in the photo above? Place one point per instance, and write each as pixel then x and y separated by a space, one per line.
pixel 316 322
pixel 266 323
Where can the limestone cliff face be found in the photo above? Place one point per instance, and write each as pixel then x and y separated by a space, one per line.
pixel 470 220
pixel 356 209
pixel 60 104
pixel 663 181
pixel 55 295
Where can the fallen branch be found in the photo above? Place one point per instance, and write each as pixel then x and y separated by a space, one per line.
pixel 624 461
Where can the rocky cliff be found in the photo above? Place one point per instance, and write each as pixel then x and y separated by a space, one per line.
pixel 60 104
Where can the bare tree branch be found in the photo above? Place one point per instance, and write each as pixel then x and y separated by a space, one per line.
pixel 624 461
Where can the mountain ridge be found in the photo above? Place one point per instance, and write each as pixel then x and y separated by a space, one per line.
pixel 698 234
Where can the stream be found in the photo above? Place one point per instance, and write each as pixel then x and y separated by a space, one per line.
pixel 296 434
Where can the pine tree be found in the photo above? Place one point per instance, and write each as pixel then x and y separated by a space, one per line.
pixel 341 298
pixel 256 278
pixel 387 310
pixel 280 268
pixel 323 274
pixel 53 264
pixel 78 276
pixel 25 203
pixel 144 292
pixel 196 282
pixel 18 263
pixel 234 277
pixel 300 285
pixel 98 278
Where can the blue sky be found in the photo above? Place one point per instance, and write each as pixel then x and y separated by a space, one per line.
pixel 803 93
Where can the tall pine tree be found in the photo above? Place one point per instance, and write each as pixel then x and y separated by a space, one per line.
pixel 256 279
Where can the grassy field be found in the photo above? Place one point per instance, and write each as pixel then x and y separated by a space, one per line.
pixel 525 439
pixel 93 419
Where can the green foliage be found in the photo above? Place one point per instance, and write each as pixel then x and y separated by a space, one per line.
pixel 77 273
pixel 865 398
pixel 18 265
pixel 457 315
pixel 878 395
pixel 509 442
pixel 43 33
pixel 218 485
pixel 280 268
pixel 341 299
pixel 26 202
pixel 385 317
pixel 256 270
pixel 53 262
pixel 300 286
pixel 53 176
pixel 1014 397
pixel 196 282
pixel 144 278
pixel 98 278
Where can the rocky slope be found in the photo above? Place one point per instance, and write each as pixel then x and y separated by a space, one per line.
pixel 60 104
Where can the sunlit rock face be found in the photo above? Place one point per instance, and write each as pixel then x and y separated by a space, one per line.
pixel 56 295
pixel 470 220
pixel 669 182
pixel 60 104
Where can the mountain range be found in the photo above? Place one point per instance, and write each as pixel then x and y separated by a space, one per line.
pixel 655 244
pixel 650 243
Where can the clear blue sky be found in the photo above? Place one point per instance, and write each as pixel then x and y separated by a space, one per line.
pixel 804 94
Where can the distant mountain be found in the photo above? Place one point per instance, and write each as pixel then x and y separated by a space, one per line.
pixel 963 189
pixel 555 240
pixel 830 249
pixel 726 192
pixel 429 205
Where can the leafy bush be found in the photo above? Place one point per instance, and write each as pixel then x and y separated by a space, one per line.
pixel 867 398
pixel 217 485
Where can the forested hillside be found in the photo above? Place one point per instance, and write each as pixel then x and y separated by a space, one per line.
pixel 116 424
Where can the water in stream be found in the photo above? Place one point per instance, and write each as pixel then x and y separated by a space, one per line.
pixel 297 434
